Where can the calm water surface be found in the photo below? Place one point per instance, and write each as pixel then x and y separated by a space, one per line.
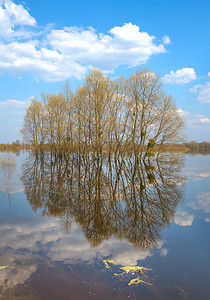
pixel 61 217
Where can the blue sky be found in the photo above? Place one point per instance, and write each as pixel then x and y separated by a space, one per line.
pixel 43 43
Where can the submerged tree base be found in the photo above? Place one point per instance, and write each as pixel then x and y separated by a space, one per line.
pixel 75 148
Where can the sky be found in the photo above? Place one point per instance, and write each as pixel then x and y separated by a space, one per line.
pixel 43 43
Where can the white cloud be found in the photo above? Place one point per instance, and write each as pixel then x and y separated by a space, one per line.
pixel 198 174
pixel 183 218
pixel 16 273
pixel 33 235
pixel 198 168
pixel 202 203
pixel 75 248
pixel 205 120
pixel 203 91
pixel 164 252
pixel 24 59
pixel 18 14
pixel 12 15
pixel 13 107
pixel 125 45
pixel 14 103
pixel 181 76
pixel 198 121
pixel 204 174
pixel 59 54
pixel 166 40
pixel 193 126
pixel 182 112
pixel 12 113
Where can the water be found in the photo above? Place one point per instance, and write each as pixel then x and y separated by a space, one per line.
pixel 60 218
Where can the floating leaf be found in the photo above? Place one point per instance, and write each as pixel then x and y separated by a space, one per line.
pixel 129 270
pixel 132 270
pixel 137 280
pixel 3 267
pixel 107 262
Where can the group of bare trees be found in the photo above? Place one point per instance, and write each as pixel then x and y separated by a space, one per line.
pixel 105 114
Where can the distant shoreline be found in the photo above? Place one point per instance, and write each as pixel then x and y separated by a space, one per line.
pixel 189 147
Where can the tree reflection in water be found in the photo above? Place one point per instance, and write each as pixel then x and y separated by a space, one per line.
pixel 127 196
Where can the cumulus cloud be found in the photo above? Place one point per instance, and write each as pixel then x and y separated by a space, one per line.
pixel 166 40
pixel 69 52
pixel 24 254
pixel 204 174
pixel 71 249
pixel 20 268
pixel 124 45
pixel 205 120
pixel 182 112
pixel 12 112
pixel 183 218
pixel 13 107
pixel 181 76
pixel 164 252
pixel 35 235
pixel 11 16
pixel 198 173
pixel 203 91
pixel 20 233
pixel 202 203
pixel 198 120
pixel 14 103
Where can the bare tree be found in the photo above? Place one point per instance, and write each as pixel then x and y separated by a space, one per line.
pixel 95 98
pixel 153 115
pixel 134 114
pixel 57 116
pixel 69 98
pixel 34 125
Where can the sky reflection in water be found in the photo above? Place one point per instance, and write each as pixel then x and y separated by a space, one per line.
pixel 91 208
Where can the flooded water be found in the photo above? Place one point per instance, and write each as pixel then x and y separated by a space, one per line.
pixel 72 227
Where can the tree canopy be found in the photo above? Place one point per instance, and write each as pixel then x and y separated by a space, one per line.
pixel 106 114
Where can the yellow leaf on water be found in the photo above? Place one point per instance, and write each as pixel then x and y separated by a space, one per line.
pixel 3 267
pixel 107 262
pixel 129 270
pixel 137 280
pixel 133 269
pixel 115 274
